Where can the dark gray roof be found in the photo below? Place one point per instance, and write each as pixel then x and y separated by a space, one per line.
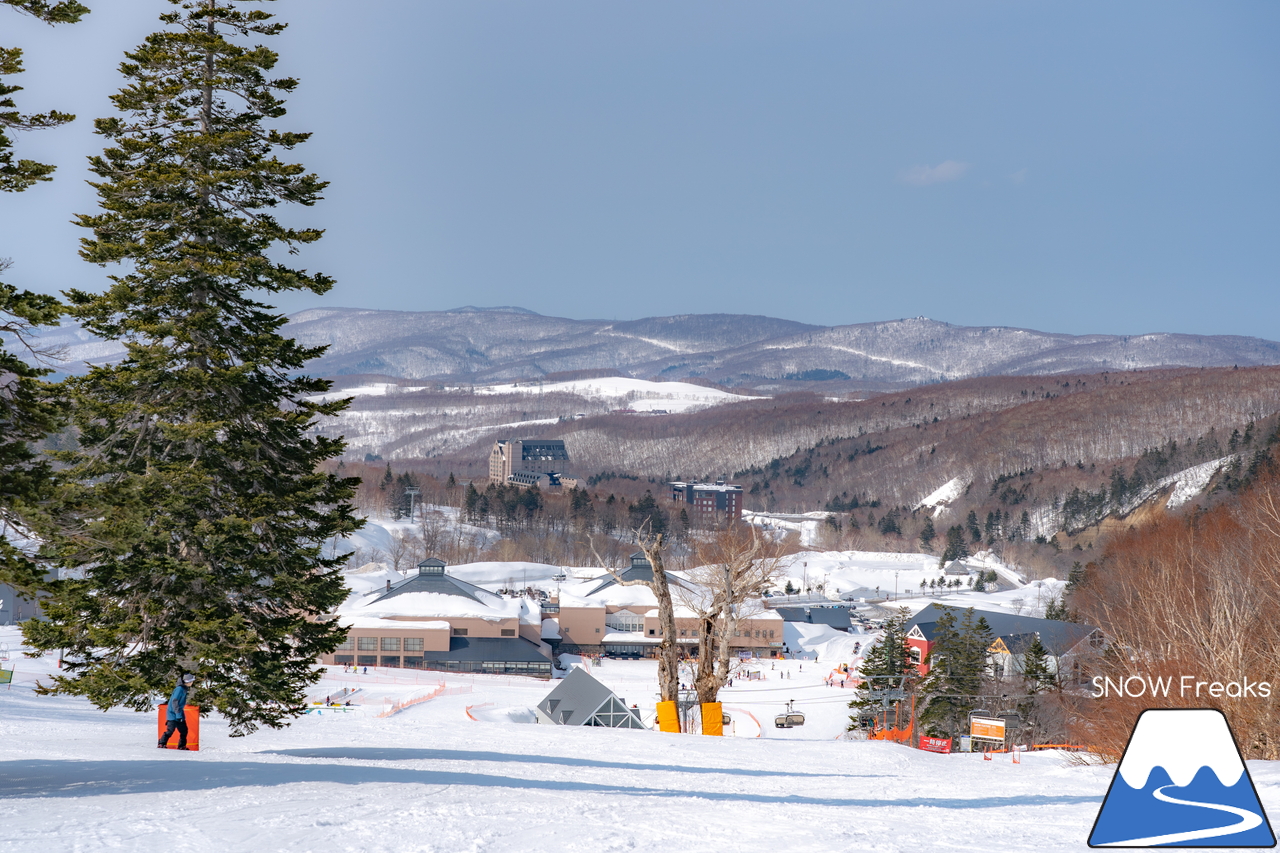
pixel 437 583
pixel 490 648
pixel 578 697
pixel 632 573
pixel 836 617
pixel 1057 637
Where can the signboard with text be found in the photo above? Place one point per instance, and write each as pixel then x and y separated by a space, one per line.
pixel 987 728
pixel 936 744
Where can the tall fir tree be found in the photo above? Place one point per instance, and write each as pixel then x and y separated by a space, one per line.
pixel 198 514
pixel 956 548
pixel 27 411
pixel 1035 667
pixel 883 667
pixel 957 671
pixel 17 175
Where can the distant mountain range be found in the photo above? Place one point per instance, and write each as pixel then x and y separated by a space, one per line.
pixel 767 354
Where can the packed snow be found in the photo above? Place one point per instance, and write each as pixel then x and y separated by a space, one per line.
pixel 425 762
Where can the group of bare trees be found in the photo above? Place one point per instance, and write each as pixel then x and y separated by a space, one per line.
pixel 1194 596
pixel 735 567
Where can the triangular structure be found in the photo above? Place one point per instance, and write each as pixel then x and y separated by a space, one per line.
pixel 1182 783
pixel 580 700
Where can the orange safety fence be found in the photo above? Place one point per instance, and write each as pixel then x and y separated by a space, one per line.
pixel 440 690
pixel 481 705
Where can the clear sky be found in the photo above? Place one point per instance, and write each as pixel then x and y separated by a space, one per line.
pixel 1072 167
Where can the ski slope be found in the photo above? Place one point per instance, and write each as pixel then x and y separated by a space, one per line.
pixel 464 772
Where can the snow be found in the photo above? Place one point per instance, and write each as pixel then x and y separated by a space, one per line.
pixel 467 771
pixel 642 395
pixel 1191 482
pixel 945 494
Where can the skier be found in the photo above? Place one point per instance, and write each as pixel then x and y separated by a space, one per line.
pixel 175 718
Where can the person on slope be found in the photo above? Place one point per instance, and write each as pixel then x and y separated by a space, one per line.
pixel 175 718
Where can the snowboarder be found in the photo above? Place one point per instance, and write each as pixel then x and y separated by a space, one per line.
pixel 175 717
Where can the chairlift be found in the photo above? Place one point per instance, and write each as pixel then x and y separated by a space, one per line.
pixel 790 719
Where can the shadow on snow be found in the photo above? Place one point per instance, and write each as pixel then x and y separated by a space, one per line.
pixel 49 778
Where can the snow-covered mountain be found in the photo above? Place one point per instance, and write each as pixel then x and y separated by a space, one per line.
pixel 505 344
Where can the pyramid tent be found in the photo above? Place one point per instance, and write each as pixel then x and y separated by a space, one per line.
pixel 580 700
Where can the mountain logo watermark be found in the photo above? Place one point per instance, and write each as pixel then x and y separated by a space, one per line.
pixel 1182 783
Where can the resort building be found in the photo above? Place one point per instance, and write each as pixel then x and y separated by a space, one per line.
pixel 432 620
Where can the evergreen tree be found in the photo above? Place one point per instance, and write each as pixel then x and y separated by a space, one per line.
pixel 1057 609
pixel 18 175
pixel 27 414
pixel 647 514
pixel 927 534
pixel 1035 667
pixel 956 548
pixel 199 512
pixel 883 667
pixel 971 524
pixel 957 671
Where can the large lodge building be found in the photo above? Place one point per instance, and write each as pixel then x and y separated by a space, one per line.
pixel 435 621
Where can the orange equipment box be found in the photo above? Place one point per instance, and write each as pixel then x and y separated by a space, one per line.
pixel 192 715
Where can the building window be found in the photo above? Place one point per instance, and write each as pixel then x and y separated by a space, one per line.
pixel 344 659
pixel 597 630
pixel 413 662
pixel 652 632
pixel 413 644
pixel 367 644
pixel 367 660
pixel 459 632
pixel 391 644
pixel 508 632
pixel 348 643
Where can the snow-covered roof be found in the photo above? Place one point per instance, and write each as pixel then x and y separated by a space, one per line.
pixel 433 605
pixel 349 621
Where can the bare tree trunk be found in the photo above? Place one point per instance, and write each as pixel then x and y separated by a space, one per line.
pixel 668 649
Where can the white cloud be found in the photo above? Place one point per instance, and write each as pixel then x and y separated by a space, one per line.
pixel 923 176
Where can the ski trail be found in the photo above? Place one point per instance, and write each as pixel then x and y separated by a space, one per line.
pixel 1248 820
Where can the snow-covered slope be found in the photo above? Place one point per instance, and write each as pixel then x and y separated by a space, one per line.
pixel 462 772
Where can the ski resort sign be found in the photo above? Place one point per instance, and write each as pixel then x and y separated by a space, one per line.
pixel 936 744
pixel 986 728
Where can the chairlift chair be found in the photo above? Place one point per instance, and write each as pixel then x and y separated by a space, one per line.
pixel 791 718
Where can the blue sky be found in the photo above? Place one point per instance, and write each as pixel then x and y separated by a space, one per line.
pixel 1087 167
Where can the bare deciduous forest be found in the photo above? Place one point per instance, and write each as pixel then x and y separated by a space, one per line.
pixel 1196 595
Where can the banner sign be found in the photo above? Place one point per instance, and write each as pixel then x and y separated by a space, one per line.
pixel 987 728
pixel 936 744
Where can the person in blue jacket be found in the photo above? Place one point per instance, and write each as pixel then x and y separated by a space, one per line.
pixel 175 717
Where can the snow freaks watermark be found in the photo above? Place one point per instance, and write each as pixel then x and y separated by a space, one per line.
pixel 1181 783
pixel 1185 687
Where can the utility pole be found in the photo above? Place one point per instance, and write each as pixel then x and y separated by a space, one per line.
pixel 412 492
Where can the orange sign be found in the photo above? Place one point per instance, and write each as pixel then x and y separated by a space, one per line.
pixel 987 728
